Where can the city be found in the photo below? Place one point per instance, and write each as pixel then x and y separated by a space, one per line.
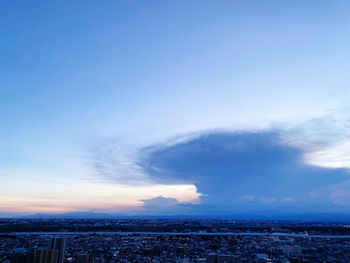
pixel 162 240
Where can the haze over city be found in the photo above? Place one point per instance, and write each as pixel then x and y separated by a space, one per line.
pixel 168 108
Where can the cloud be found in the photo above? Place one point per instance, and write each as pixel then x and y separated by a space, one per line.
pixel 295 166
pixel 160 205
pixel 228 167
pixel 329 134
pixel 159 202
pixel 338 194
pixel 113 160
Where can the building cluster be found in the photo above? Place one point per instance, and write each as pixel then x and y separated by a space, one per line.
pixel 54 253
pixel 169 225
pixel 146 241
pixel 135 248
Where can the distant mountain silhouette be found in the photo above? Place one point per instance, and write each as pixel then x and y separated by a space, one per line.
pixel 262 216
pixel 71 215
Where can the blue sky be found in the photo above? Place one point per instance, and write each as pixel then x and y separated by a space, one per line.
pixel 90 91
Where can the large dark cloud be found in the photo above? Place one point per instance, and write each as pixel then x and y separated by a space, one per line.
pixel 233 168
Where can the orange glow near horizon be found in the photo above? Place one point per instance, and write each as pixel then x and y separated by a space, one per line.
pixel 52 196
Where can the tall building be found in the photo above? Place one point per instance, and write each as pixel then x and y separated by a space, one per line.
pixel 54 253
pixel 45 255
pixel 60 245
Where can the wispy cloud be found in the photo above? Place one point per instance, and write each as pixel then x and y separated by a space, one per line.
pixel 114 160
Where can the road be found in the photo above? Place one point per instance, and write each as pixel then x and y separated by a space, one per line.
pixel 180 234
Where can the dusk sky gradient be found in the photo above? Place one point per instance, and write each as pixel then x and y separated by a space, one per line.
pixel 174 107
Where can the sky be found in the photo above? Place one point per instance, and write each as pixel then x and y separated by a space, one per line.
pixel 174 107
